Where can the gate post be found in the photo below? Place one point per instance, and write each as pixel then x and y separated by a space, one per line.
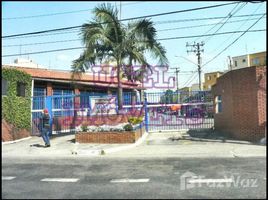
pixel 49 107
pixel 146 112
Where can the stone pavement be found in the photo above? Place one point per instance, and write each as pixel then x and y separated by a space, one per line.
pixel 153 145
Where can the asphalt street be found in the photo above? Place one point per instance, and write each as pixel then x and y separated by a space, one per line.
pixel 132 178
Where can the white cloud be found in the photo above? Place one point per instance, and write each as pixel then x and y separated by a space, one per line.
pixel 63 57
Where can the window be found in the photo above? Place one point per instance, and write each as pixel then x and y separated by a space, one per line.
pixel 4 87
pixel 244 60
pixel 209 78
pixel 21 89
pixel 215 76
pixel 235 63
pixel 256 61
pixel 218 104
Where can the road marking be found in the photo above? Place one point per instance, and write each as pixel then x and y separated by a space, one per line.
pixel 126 180
pixel 211 180
pixel 8 178
pixel 61 179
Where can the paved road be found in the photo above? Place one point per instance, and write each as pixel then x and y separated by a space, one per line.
pixel 142 178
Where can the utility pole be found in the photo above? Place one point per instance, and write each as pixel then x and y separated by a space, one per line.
pixel 196 49
pixel 177 81
pixel 177 76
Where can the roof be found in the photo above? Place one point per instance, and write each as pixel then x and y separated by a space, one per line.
pixel 97 79
pixel 214 72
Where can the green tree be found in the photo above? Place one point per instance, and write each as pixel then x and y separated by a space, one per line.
pixel 106 38
pixel 169 97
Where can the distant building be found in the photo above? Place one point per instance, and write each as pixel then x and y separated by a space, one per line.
pixel 23 62
pixel 210 79
pixel 195 87
pixel 249 60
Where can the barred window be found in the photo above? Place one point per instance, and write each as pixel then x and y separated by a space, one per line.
pixel 218 103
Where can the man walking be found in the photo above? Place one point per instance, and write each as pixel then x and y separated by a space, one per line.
pixel 45 127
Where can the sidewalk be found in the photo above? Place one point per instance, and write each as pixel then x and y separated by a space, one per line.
pixel 61 146
pixel 150 146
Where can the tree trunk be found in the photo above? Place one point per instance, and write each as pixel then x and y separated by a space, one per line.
pixel 119 89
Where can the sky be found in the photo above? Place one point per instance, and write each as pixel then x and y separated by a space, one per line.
pixel 45 15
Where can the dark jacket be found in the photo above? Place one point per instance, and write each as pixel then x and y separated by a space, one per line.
pixel 45 119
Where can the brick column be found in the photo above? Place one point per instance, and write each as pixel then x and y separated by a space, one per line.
pixel 49 89
pixel 77 99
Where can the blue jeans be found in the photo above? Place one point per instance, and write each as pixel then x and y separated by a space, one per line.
pixel 45 136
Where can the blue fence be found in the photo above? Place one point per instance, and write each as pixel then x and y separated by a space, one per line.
pixel 179 110
pixel 64 104
pixel 163 111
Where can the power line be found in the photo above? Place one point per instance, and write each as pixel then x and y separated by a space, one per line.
pixel 200 19
pixel 158 22
pixel 127 19
pixel 217 23
pixel 233 41
pixel 223 33
pixel 48 51
pixel 158 39
pixel 46 15
pixel 246 20
pixel 246 31
pixel 229 16
pixel 39 43
pixel 201 25
pixel 60 13
pixel 60 41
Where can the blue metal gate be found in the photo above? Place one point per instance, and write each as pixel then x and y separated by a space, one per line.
pixel 179 111
pixel 69 111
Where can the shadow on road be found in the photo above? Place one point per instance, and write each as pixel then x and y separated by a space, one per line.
pixel 212 136
pixel 62 134
pixel 37 145
pixel 71 141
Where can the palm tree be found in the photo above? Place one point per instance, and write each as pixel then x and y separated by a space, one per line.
pixel 107 38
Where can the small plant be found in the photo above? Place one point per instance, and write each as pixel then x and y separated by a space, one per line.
pixel 135 120
pixel 84 128
pixel 128 127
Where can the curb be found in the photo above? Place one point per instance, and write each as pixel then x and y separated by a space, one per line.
pixel 110 150
pixel 116 149
pixel 14 141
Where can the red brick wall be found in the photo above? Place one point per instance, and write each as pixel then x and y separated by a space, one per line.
pixel 9 133
pixel 109 137
pixel 243 94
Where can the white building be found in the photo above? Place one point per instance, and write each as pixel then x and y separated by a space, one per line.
pixel 23 62
pixel 239 62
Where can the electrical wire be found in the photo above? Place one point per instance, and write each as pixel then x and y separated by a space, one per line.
pixel 246 31
pixel 127 19
pixel 158 22
pixel 158 40
pixel 60 13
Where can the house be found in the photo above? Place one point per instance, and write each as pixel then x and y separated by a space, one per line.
pixel 210 79
pixel 59 82
pixel 68 93
pixel 240 103
pixel 248 60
